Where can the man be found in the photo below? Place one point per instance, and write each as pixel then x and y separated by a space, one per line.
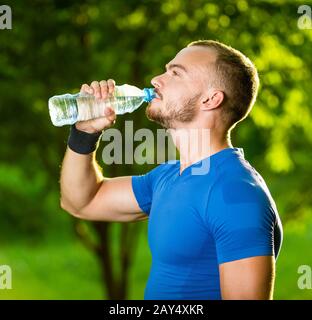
pixel 215 234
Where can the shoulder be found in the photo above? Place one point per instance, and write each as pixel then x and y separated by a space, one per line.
pixel 159 172
pixel 239 191
pixel 238 181
pixel 164 168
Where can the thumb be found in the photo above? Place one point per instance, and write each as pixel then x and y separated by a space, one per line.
pixel 108 111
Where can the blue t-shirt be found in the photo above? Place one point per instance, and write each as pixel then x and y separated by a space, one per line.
pixel 218 210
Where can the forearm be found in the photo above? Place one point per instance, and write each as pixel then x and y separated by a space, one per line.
pixel 81 178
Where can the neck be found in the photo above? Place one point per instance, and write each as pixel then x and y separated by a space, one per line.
pixel 197 144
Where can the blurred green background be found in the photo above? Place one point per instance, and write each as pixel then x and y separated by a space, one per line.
pixel 54 47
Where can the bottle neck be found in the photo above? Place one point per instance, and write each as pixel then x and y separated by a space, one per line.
pixel 149 94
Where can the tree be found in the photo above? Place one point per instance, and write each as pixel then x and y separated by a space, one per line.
pixel 55 46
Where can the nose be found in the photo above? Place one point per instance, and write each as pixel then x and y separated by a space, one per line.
pixel 156 82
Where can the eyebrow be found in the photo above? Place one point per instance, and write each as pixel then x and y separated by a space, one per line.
pixel 175 65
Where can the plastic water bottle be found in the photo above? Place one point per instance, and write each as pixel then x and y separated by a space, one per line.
pixel 67 109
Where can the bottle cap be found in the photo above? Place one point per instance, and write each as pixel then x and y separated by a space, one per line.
pixel 149 94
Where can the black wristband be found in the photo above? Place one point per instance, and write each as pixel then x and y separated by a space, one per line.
pixel 82 142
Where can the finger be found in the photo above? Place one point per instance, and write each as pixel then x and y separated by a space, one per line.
pixel 104 89
pixel 102 123
pixel 86 89
pixel 111 118
pixel 96 89
pixel 111 85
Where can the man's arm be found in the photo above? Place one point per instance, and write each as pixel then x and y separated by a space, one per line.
pixel 248 279
pixel 85 193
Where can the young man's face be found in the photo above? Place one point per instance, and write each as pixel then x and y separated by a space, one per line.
pixel 180 87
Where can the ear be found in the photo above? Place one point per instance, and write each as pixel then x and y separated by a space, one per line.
pixel 212 100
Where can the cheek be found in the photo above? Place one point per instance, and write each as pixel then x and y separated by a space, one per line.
pixel 175 95
pixel 180 91
pixel 178 99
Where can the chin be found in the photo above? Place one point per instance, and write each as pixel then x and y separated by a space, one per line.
pixel 150 111
pixel 157 117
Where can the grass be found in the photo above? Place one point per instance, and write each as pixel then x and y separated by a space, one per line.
pixel 66 270
pixel 52 271
pixel 296 251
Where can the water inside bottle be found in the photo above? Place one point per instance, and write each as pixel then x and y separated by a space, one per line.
pixel 90 108
pixel 63 109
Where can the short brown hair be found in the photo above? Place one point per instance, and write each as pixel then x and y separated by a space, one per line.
pixel 238 78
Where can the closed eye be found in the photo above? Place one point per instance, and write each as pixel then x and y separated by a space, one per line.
pixel 173 67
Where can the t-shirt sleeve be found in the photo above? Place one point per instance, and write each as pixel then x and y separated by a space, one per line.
pixel 143 191
pixel 241 220
pixel 143 187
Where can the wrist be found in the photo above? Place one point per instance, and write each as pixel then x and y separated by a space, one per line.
pixel 80 127
pixel 83 142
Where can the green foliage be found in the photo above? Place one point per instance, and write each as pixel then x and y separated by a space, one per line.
pixel 55 46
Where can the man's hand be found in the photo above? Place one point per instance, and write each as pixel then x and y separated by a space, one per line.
pixel 100 90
